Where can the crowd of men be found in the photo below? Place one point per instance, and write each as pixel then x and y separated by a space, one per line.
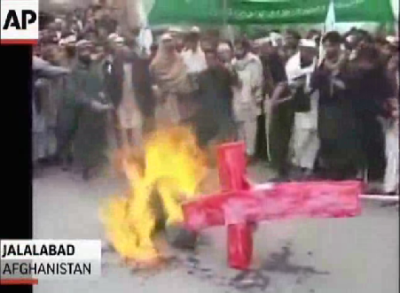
pixel 315 106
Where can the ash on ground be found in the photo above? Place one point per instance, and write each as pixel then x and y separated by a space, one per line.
pixel 263 279
pixel 280 262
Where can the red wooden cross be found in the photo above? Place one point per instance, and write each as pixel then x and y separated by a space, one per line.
pixel 241 204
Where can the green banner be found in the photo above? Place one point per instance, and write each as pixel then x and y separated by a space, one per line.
pixel 364 11
pixel 186 11
pixel 277 11
pixel 267 11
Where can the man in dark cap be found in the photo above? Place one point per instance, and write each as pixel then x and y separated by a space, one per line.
pixel 337 131
pixel 291 45
pixel 371 89
pixel 85 113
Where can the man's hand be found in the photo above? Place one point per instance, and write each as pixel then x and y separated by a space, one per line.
pixel 102 96
pixel 275 103
pixel 160 96
pixel 393 64
pixel 100 107
pixel 338 83
pixel 254 90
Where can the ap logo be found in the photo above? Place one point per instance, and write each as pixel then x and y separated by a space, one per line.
pixel 19 21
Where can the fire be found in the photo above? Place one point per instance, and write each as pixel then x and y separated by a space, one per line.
pixel 173 166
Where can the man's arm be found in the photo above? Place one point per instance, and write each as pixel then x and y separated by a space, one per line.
pixel 44 69
pixel 387 94
pixel 279 93
pixel 74 90
pixel 233 77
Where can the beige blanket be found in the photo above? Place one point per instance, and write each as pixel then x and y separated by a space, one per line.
pixel 170 73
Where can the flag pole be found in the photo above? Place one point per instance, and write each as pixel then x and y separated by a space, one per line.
pixel 225 12
pixel 329 25
pixel 226 27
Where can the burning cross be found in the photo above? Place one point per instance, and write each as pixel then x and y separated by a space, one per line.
pixel 241 204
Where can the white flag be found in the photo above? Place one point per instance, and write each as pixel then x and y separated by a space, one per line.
pixel 329 25
pixel 330 17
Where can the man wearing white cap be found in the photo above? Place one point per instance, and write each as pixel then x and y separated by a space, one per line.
pixel 305 142
pixel 84 117
pixel 193 55
pixel 195 62
pixel 177 34
pixel 172 82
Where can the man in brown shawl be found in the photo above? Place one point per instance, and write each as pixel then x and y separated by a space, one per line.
pixel 173 87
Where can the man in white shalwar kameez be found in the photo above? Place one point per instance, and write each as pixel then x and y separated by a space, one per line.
pixel 391 179
pixel 248 96
pixel 304 142
pixel 128 112
pixel 193 55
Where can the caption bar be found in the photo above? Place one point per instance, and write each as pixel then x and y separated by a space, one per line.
pixel 28 261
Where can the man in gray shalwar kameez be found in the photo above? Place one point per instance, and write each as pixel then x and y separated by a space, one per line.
pixel 40 140
pixel 84 116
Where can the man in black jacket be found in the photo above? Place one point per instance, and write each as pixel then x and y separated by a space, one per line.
pixel 142 84
pixel 113 80
pixel 141 81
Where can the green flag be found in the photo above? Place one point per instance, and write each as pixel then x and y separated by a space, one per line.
pixel 277 11
pixel 238 11
pixel 363 11
pixel 186 11
pixel 267 11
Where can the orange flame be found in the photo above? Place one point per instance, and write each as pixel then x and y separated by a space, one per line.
pixel 173 166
